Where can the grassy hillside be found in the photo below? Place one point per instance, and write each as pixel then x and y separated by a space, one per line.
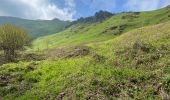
pixel 129 66
pixel 36 28
pixel 83 33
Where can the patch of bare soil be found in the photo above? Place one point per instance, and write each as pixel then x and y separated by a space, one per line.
pixel 72 52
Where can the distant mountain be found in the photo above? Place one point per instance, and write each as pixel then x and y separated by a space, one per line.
pixel 36 28
pixel 98 17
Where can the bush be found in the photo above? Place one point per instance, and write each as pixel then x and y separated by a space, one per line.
pixel 12 38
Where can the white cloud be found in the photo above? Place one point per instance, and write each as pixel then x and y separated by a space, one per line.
pixel 37 9
pixel 145 5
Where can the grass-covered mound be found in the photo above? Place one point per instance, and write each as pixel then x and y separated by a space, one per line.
pixel 130 66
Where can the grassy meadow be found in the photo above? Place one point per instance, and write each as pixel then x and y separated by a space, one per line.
pixel 125 57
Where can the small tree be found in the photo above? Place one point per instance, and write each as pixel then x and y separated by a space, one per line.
pixel 12 38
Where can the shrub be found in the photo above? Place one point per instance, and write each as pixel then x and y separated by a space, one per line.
pixel 12 38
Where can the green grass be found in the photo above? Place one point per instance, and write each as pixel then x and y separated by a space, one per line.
pixel 119 65
pixel 105 30
pixel 129 66
pixel 76 77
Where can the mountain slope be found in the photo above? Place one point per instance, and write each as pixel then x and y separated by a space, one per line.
pixel 36 28
pixel 130 66
pixel 125 57
pixel 81 33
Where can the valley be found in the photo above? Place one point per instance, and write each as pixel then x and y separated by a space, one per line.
pixel 122 56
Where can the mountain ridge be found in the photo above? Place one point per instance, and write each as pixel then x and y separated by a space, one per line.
pixel 36 28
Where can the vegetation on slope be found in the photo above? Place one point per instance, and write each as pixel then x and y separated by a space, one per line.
pixel 36 28
pixel 83 33
pixel 130 66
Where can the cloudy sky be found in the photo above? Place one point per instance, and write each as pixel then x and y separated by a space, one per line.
pixel 73 9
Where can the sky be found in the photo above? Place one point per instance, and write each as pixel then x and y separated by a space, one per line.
pixel 73 9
